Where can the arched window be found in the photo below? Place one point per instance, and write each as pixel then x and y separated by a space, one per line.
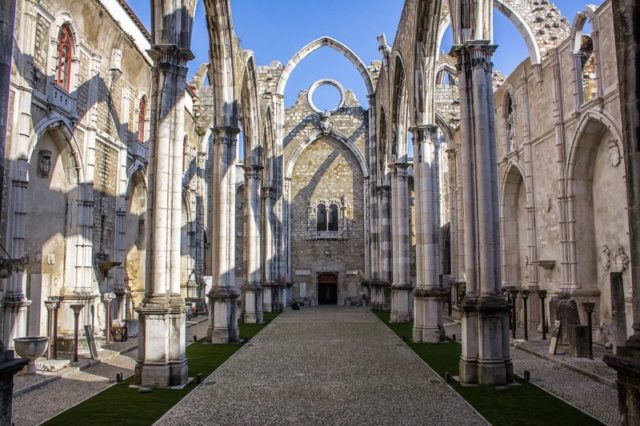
pixel 65 54
pixel 142 117
pixel 321 218
pixel 510 122
pixel 333 217
pixel 588 67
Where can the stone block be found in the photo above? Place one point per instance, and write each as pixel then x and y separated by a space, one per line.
pixel 578 336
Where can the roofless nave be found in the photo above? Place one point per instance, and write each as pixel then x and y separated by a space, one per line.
pixel 126 194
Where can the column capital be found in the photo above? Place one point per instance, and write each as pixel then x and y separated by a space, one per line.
pixel 227 135
pixel 170 54
pixel 253 171
pixel 474 54
pixel 401 170
pixel 384 190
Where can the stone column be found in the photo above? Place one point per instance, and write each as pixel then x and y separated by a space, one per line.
pixel 401 285
pixel 223 321
pixel 384 283
pixel 627 360
pixel 162 358
pixel 453 229
pixel 252 288
pixel 485 328
pixel 268 280
pixel 427 325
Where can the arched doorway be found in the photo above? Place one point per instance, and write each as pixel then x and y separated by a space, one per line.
pixel 327 289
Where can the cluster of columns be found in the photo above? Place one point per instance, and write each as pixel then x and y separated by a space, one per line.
pixel 485 323
pixel 162 358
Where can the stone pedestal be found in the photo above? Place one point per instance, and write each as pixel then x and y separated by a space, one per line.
pixel 9 366
pixel 250 302
pixel 161 343
pixel 627 364
pixel 223 325
pixel 428 315
pixel 400 303
pixel 267 297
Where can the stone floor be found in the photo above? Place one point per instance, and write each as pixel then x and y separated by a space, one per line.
pixel 324 366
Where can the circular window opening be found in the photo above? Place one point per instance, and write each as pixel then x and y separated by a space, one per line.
pixel 326 95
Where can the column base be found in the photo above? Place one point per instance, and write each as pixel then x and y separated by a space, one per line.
pixel 223 321
pixel 162 361
pixel 14 321
pixel 428 315
pixel 400 303
pixel 627 365
pixel 250 304
pixel 485 356
pixel 267 297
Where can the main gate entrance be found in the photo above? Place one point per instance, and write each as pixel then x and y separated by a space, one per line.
pixel 327 289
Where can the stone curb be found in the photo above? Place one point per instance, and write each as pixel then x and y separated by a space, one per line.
pixel 566 365
pixel 35 386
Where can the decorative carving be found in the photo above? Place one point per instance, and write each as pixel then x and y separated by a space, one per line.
pixel 621 260
pixel 614 153
pixel 605 258
pixel 44 163
pixel 325 124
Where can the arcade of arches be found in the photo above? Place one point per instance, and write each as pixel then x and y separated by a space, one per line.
pixel 128 187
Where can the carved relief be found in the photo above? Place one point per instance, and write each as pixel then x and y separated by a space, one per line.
pixel 605 259
pixel 614 153
pixel 44 163
pixel 621 260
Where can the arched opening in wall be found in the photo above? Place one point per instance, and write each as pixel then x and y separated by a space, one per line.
pixel 509 120
pixel 513 219
pixel 142 119
pixel 321 218
pixel 598 206
pixel 446 76
pixel 241 148
pixel 134 242
pixel 325 63
pixel 334 218
pixel 64 57
pixel 48 198
pixel 586 62
pixel 409 145
pixel 382 148
pixel 399 146
pixel 187 250
pixel 327 289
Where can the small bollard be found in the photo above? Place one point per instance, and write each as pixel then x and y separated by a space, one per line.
pixel 119 378
pixel 199 378
pixel 527 375
pixel 195 338
pixel 447 377
pixel 453 337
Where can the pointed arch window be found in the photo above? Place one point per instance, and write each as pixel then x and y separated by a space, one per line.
pixel 65 55
pixel 510 122
pixel 142 118
pixel 334 218
pixel 321 218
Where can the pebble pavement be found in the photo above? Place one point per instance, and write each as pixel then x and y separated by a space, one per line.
pixel 324 366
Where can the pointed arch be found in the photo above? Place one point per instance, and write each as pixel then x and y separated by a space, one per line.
pixel 315 45
pixel 249 105
pixel 398 146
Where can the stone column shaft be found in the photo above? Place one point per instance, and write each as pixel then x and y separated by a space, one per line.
pixel 485 356
pixel 384 221
pixel 268 279
pixel 223 322
pixel 401 286
pixel 252 288
pixel 428 293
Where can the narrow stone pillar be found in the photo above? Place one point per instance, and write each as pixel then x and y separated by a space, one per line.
pixel 427 325
pixel 162 358
pixel 485 323
pixel 384 283
pixel 223 321
pixel 268 280
pixel 9 366
pixel 401 286
pixel 627 359
pixel 252 288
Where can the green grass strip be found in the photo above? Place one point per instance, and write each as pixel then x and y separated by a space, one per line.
pixel 123 405
pixel 522 405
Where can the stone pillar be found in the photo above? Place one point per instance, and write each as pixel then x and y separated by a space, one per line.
pixel 9 366
pixel 252 288
pixel 453 209
pixel 384 283
pixel 268 280
pixel 627 360
pixel 223 321
pixel 400 234
pixel 485 325
pixel 162 358
pixel 427 325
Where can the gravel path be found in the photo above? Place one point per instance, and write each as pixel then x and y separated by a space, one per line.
pixel 323 366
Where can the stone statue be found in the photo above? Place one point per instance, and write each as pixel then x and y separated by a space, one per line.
pixel 44 163
pixel 605 259
pixel 325 124
pixel 614 153
pixel 621 260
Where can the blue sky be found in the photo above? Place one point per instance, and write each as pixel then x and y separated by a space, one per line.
pixel 277 29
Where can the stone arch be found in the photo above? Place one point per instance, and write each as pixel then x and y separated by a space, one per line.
pixel 581 48
pixel 425 58
pixel 134 240
pixel 448 69
pixel 315 45
pixel 513 222
pixel 65 18
pixel 516 19
pixel 314 137
pixel 595 159
pixel 249 106
pixel 221 64
pixel 397 149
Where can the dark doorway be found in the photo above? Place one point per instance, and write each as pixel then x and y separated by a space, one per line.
pixel 327 289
